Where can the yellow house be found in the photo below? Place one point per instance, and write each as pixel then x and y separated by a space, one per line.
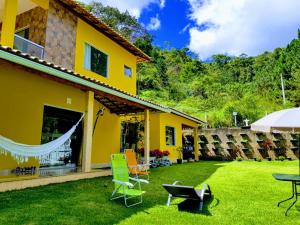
pixel 58 62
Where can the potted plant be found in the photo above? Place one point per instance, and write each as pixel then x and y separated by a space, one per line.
pixel 179 150
pixel 165 161
pixel 166 154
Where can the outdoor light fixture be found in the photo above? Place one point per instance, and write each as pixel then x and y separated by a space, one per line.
pixel 234 115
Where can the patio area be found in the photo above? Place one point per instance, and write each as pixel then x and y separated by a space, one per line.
pixel 244 193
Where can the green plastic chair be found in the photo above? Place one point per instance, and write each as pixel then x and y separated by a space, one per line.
pixel 123 187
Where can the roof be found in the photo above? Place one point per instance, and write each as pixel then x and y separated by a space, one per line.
pixel 35 63
pixel 182 114
pixel 105 29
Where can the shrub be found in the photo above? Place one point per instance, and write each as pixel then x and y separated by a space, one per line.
pixel 281 158
pixel 166 153
pixel 156 153
pixel 239 158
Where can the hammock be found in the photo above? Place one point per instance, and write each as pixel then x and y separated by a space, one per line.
pixel 22 151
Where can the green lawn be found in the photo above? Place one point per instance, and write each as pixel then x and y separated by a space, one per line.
pixel 244 193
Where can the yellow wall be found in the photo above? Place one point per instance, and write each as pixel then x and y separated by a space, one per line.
pixel 117 58
pixel 42 3
pixel 106 139
pixel 22 100
pixel 167 119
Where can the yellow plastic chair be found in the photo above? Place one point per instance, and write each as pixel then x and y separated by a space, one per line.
pixel 136 169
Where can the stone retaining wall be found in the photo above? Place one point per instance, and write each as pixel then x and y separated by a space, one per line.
pixel 230 143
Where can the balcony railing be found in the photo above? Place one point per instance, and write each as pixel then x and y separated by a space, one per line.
pixel 26 46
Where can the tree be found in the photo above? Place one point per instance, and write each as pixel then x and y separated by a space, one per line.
pixel 122 22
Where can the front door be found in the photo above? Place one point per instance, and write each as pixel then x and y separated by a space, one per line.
pixel 57 122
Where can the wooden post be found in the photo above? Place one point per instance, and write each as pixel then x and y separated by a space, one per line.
pixel 147 135
pixel 196 144
pixel 9 23
pixel 88 132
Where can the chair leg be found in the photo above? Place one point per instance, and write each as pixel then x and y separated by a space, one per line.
pixel 201 205
pixel 130 205
pixel 169 200
pixel 170 196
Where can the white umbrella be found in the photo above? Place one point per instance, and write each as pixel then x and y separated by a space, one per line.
pixel 287 120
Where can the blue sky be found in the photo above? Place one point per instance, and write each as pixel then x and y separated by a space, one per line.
pixel 216 26
pixel 173 19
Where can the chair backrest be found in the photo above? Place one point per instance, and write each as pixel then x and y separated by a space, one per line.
pixel 131 157
pixel 181 191
pixel 119 168
pixel 131 160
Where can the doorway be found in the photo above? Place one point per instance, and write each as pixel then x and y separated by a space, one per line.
pixel 132 134
pixel 188 142
pixel 57 122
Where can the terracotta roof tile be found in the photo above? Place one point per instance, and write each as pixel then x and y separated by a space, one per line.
pixel 105 29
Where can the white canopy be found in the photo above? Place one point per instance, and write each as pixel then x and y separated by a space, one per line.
pixel 287 120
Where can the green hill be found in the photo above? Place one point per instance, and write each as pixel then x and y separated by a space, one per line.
pixel 250 86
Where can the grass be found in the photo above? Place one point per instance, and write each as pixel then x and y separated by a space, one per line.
pixel 244 193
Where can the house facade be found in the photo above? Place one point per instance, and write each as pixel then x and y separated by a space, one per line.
pixel 59 62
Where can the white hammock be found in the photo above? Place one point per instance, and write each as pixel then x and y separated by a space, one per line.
pixel 24 151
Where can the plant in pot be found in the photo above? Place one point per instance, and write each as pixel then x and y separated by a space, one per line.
pixel 180 151
pixel 165 161
pixel 166 154
pixel 152 159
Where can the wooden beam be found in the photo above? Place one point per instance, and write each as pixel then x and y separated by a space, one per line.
pixel 147 135
pixel 88 132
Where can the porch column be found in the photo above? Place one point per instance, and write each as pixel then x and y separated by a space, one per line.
pixel 196 144
pixel 9 23
pixel 147 135
pixel 88 132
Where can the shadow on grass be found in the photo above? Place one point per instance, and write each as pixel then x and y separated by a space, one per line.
pixel 206 206
pixel 87 201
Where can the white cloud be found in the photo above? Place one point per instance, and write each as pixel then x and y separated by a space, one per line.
pixel 185 28
pixel 134 7
pixel 154 23
pixel 242 26
pixel 162 4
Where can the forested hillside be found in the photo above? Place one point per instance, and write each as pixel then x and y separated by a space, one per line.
pixel 250 86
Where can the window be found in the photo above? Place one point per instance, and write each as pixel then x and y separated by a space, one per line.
pixel 127 71
pixel 95 60
pixel 170 136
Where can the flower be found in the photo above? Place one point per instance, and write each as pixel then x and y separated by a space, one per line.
pixel 166 153
pixel 156 153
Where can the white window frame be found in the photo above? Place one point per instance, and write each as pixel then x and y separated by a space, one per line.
pixel 175 142
pixel 87 60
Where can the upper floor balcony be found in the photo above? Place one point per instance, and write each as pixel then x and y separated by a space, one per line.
pixel 22 25
pixel 27 46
